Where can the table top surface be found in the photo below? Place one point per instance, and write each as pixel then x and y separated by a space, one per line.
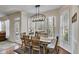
pixel 45 39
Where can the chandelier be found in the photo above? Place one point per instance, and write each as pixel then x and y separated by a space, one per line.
pixel 38 17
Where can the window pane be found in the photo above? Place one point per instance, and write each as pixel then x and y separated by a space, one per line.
pixel 51 26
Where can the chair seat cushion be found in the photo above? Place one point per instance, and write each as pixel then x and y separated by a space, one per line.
pixel 51 45
pixel 36 49
pixel 35 46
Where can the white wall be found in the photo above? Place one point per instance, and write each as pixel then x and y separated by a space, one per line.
pixel 11 37
pixel 78 30
pixel 75 30
pixel 12 18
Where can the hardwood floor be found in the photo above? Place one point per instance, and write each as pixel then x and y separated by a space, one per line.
pixel 26 51
pixel 63 51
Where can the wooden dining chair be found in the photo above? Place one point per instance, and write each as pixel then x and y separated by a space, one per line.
pixel 54 47
pixel 35 44
pixel 26 43
pixel 44 47
pixel 22 39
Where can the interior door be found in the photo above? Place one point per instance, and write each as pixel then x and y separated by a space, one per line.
pixel 17 30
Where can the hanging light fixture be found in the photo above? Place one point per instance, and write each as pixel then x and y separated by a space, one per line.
pixel 38 17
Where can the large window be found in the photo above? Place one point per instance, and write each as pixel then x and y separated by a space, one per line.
pixel 64 25
pixel 66 30
pixel 48 26
pixel 65 33
pixel 51 26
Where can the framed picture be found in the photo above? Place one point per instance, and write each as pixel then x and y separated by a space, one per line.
pixel 74 18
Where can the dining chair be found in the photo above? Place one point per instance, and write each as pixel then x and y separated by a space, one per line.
pixel 53 47
pixel 44 47
pixel 25 44
pixel 22 39
pixel 26 41
pixel 35 44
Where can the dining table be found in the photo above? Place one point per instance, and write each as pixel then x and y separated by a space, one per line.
pixel 44 42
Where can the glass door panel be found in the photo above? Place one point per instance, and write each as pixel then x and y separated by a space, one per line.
pixel 17 29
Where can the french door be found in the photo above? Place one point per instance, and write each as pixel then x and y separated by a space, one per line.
pixel 17 29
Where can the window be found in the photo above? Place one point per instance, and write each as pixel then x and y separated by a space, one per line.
pixel 48 26
pixel 51 26
pixel 64 28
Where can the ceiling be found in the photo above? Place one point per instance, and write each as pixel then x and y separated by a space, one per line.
pixel 5 9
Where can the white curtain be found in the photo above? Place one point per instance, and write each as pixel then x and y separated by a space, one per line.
pixel 7 25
